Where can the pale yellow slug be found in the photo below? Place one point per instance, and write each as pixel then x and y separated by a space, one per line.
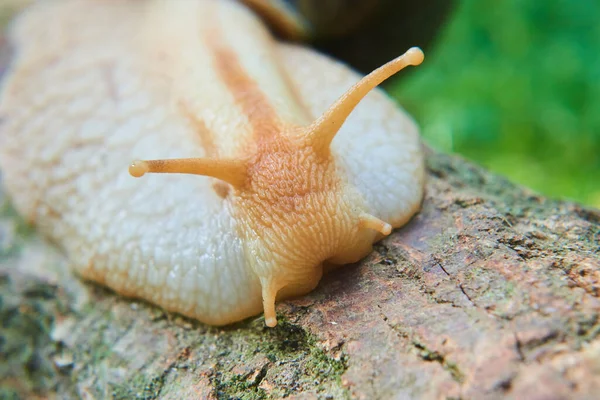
pixel 291 178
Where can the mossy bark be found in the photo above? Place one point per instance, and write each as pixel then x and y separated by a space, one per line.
pixel 491 291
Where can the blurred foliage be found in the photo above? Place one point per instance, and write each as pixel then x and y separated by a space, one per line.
pixel 515 86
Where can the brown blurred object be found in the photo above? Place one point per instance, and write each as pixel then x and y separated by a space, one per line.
pixel 387 31
pixel 363 33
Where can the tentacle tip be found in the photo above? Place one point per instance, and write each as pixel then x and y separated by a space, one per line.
pixel 138 168
pixel 271 322
pixel 371 222
pixel 415 56
pixel 386 229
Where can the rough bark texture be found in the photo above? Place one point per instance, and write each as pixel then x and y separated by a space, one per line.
pixel 490 292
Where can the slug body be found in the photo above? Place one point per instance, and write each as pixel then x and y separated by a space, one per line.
pixel 271 183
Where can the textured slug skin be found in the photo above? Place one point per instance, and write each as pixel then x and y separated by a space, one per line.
pixel 96 84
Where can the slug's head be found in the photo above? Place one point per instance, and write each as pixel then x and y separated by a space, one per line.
pixel 293 208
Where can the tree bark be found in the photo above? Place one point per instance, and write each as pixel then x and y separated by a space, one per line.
pixel 491 291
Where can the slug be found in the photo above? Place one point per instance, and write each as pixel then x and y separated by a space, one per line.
pixel 273 170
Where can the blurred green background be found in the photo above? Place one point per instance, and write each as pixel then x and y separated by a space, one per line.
pixel 515 86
